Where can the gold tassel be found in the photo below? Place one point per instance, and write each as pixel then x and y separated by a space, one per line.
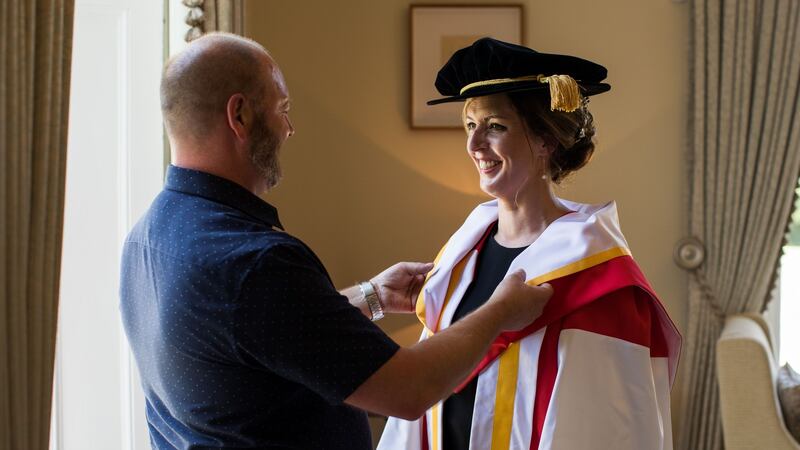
pixel 564 92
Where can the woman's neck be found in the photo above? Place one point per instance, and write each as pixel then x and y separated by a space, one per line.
pixel 522 220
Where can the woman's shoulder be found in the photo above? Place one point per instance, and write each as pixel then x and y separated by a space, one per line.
pixel 628 314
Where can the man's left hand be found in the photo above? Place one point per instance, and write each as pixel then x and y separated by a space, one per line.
pixel 399 285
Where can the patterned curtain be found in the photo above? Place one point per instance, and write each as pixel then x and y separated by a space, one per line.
pixel 743 168
pixel 214 15
pixel 35 56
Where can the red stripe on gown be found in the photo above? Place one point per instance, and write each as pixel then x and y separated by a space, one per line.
pixel 424 444
pixel 627 314
pixel 569 294
pixel 547 369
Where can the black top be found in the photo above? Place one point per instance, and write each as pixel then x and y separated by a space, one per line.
pixel 493 263
pixel 241 339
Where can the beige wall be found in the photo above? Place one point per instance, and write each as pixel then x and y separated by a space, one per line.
pixel 364 190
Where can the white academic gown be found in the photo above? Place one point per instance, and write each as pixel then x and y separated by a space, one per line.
pixel 593 372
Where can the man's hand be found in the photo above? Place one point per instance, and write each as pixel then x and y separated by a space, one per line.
pixel 523 303
pixel 399 285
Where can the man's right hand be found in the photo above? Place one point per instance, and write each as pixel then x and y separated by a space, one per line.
pixel 521 302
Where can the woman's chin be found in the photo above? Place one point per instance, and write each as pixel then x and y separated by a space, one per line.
pixel 491 190
pixel 487 188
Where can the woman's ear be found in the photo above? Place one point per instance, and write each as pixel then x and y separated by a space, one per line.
pixel 545 146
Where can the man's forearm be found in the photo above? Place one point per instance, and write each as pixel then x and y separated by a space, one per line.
pixel 443 361
pixel 421 375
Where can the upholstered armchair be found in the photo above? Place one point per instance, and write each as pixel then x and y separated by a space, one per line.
pixel 747 370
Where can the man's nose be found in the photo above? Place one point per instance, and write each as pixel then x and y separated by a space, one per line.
pixel 291 128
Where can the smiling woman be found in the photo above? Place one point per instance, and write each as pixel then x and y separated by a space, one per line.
pixel 528 127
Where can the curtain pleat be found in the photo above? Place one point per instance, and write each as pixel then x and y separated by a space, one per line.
pixel 36 54
pixel 744 165
pixel 214 15
pixel 224 15
pixel 6 16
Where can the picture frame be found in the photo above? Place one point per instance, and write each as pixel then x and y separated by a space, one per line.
pixel 436 32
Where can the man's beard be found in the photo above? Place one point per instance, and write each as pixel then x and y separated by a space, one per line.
pixel 264 146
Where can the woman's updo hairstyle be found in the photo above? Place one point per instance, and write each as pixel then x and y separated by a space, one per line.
pixel 572 132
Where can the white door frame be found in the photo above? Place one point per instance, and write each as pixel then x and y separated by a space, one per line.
pixel 115 167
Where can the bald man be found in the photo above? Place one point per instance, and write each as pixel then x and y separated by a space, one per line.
pixel 240 337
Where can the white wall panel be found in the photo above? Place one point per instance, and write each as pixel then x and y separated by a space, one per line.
pixel 114 169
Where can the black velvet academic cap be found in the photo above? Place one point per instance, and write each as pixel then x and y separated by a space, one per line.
pixel 489 66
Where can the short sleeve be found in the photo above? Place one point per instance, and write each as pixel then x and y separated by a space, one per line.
pixel 291 321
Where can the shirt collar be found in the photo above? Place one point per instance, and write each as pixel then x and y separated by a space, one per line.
pixel 221 190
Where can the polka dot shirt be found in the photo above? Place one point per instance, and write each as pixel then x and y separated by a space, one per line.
pixel 240 337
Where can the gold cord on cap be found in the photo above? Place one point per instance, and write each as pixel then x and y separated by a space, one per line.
pixel 564 92
pixel 501 81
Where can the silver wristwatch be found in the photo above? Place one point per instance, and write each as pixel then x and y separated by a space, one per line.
pixel 371 297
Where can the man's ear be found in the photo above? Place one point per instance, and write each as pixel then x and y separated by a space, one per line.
pixel 239 115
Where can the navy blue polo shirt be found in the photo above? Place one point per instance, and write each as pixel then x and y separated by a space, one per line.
pixel 240 337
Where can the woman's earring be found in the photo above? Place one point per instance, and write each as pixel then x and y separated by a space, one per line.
pixel 544 168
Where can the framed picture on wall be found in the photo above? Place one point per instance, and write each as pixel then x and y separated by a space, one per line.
pixel 437 31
